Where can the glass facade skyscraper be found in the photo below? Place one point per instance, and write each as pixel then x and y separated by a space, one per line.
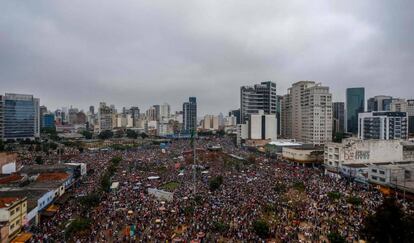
pixel 355 104
pixel 21 117
pixel 190 115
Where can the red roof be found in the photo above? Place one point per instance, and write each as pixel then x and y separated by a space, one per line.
pixel 53 176
pixel 10 178
pixel 8 201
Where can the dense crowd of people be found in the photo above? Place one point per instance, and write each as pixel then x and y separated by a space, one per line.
pixel 296 202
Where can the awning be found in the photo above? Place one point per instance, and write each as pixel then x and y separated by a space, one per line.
pixel 22 238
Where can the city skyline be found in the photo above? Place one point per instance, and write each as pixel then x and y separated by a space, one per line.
pixel 131 54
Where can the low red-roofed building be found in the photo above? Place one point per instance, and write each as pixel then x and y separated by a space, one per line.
pixel 13 211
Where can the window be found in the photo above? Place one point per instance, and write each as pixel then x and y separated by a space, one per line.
pixel 374 177
pixel 12 212
pixel 382 179
pixel 382 172
pixel 374 170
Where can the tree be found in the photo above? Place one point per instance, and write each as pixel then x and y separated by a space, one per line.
pixel 215 183
pixel 337 138
pixel 119 133
pixel 91 200
pixel 1 145
pixel 106 134
pixel 77 225
pixel 143 135
pixel 335 237
pixel 39 160
pixel 87 134
pixel 131 134
pixel 261 228
pixel 389 223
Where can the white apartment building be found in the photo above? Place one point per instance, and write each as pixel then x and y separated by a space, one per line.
pixel 398 105
pixel 105 117
pixel 210 122
pixel 307 113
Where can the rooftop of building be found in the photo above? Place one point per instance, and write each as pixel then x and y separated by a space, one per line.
pixel 284 143
pixel 13 178
pixel 53 176
pixel 8 201
pixel 32 195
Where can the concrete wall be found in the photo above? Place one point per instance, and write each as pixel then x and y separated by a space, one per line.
pixel 271 127
pixel 373 151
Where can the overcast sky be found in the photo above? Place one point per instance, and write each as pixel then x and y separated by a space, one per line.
pixel 132 52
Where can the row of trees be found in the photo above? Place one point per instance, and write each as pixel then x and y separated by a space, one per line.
pixel 107 134
pixel 92 200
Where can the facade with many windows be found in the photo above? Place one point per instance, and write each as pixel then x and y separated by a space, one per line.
pixel 383 125
pixel 307 113
pixel 190 115
pixel 258 97
pixel 20 117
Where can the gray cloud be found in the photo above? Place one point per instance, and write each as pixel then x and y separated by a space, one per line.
pixel 147 52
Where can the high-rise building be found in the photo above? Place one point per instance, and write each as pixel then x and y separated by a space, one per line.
pixel 48 120
pixel 279 99
pixel 258 97
pixel 92 109
pixel 379 103
pixel 398 105
pixel 42 111
pixel 384 125
pixel 1 116
pixel 355 104
pixel 21 117
pixel 210 122
pixel 338 117
pixel 286 116
pixel 410 114
pixel 151 113
pixel 307 113
pixel 190 115
pixel 164 112
pixel 105 118
pixel 235 113
pixel 135 115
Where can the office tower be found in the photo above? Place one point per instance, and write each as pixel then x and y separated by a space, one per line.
pixel 105 119
pixel 73 115
pixel 286 116
pixel 398 105
pixel 384 125
pixel 164 112
pixel 235 113
pixel 338 117
pixel 258 97
pixel 48 120
pixel 151 113
pixel 379 103
pixel 410 115
pixel 92 109
pixel 190 115
pixel 1 117
pixel 42 111
pixel 279 99
pixel 134 110
pixel 307 113
pixel 21 117
pixel 355 104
